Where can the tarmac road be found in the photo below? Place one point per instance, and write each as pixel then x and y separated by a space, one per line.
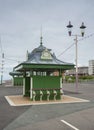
pixel 8 113
pixel 79 116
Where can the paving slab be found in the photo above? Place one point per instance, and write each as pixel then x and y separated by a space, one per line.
pixel 19 100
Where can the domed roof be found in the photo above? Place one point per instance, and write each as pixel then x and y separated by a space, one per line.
pixel 42 58
pixel 42 55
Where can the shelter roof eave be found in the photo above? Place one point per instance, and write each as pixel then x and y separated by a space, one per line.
pixel 28 66
pixel 13 73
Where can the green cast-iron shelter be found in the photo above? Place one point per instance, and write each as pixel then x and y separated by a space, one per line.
pixel 17 78
pixel 38 74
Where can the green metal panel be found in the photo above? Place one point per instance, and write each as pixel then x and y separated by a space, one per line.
pixel 48 66
pixel 27 86
pixel 45 83
pixel 44 66
pixel 18 81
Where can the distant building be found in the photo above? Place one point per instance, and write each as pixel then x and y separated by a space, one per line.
pixel 91 67
pixel 81 71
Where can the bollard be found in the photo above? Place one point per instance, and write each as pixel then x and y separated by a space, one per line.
pixel 34 95
pixel 41 95
pixel 48 95
pixel 55 94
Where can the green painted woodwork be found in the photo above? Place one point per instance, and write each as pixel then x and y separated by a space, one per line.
pixel 37 98
pixel 18 81
pixel 41 66
pixel 27 86
pixel 45 83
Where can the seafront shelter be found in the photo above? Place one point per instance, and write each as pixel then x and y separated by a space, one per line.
pixel 17 78
pixel 40 78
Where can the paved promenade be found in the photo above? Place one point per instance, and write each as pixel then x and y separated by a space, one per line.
pixel 70 116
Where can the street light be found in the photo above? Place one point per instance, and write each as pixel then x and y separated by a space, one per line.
pixel 82 27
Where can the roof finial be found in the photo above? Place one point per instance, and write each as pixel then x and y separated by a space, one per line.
pixel 41 37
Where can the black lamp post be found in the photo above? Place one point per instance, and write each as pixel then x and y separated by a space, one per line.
pixel 76 41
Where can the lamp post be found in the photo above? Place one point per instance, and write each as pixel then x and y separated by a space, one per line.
pixel 82 27
pixel 2 67
pixel 2 62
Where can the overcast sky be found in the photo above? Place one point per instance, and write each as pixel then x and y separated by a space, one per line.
pixel 20 29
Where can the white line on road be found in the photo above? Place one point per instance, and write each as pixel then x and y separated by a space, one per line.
pixel 69 125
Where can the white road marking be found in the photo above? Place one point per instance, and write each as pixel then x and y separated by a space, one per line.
pixel 69 125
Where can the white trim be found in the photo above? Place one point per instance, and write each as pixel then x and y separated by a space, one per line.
pixel 23 86
pixel 10 101
pixel 19 67
pixel 80 99
pixel 44 102
pixel 73 127
pixel 61 82
pixel 31 86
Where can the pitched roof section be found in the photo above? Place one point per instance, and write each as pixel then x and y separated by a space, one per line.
pixel 42 55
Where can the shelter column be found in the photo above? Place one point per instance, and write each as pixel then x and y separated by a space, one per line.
pixel 24 77
pixel 31 87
